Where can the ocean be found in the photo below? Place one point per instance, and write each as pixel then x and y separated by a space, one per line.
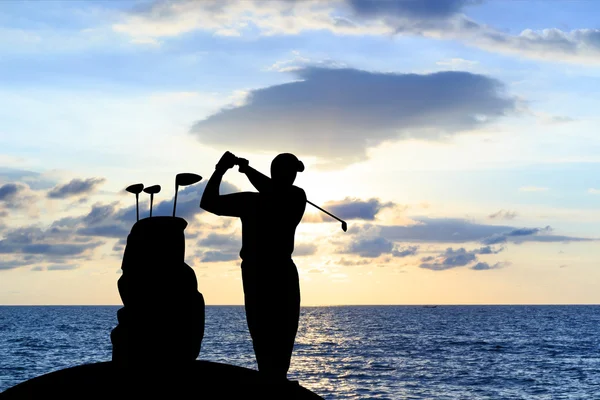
pixel 356 352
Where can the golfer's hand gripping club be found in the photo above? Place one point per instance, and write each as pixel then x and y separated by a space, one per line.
pixel 228 160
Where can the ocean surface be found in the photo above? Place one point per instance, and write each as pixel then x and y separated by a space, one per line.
pixel 378 352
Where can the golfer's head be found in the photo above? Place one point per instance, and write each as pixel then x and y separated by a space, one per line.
pixel 284 168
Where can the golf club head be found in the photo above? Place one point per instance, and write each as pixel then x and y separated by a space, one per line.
pixel 186 178
pixel 135 189
pixel 344 226
pixel 152 189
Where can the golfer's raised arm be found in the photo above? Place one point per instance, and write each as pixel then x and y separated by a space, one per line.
pixel 260 181
pixel 210 197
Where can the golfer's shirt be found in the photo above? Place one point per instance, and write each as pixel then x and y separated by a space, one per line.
pixel 269 222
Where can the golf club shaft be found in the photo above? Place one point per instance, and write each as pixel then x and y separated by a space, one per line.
pixel 175 202
pixel 326 212
pixel 137 207
pixel 151 199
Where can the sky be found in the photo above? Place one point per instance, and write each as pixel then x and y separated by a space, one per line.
pixel 457 138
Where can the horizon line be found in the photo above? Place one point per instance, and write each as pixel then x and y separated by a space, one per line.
pixel 325 305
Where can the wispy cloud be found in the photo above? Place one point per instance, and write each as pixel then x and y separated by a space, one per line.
pixel 443 20
pixel 453 230
pixel 483 266
pixel 75 187
pixel 503 214
pixel 457 63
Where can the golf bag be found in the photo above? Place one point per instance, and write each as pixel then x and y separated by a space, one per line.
pixel 162 321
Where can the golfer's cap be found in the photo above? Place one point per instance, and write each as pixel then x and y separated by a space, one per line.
pixel 288 160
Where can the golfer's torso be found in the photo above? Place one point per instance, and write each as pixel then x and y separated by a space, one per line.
pixel 269 226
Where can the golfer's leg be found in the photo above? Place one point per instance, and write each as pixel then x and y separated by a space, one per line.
pixel 252 312
pixel 285 305
pixel 291 320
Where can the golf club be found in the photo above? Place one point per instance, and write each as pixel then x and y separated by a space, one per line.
pixel 136 189
pixel 344 224
pixel 184 179
pixel 152 190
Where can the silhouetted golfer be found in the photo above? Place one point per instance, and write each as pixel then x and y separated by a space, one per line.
pixel 270 278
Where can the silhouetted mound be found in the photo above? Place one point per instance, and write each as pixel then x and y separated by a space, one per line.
pixel 162 320
pixel 195 380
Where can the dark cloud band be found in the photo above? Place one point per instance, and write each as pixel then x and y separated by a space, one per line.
pixel 337 114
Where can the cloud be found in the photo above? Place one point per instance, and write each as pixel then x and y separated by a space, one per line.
pixel 217 247
pixel 35 180
pixel 461 257
pixel 488 250
pixel 349 263
pixel 32 240
pixel 297 62
pixel 349 209
pixel 533 189
pixel 408 251
pixel 75 237
pixel 219 256
pixel 483 266
pixel 457 63
pixel 575 46
pixel 433 19
pixel 104 220
pixel 188 201
pixel 558 119
pixel 119 246
pixel 8 191
pixel 356 208
pixel 13 263
pixel 16 196
pixel 223 241
pixel 423 9
pixel 32 245
pixel 525 234
pixel 111 231
pixel 327 113
pixel 453 230
pixel 61 267
pixel 164 19
pixel 75 187
pixel 304 249
pixel 108 220
pixel 449 259
pixel 370 247
pixel 594 191
pixel 503 214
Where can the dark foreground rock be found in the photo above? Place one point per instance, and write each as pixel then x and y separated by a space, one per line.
pixel 195 380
